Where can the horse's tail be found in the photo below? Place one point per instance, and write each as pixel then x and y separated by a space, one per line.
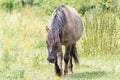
pixel 75 54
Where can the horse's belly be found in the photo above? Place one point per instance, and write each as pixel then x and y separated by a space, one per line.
pixel 78 28
pixel 73 33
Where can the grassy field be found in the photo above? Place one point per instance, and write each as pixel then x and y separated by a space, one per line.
pixel 23 50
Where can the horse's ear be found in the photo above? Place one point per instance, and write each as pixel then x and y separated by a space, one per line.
pixel 47 29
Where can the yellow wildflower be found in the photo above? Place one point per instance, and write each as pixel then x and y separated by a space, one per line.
pixel 14 11
pixel 6 47
pixel 57 78
pixel 27 78
pixel 29 47
pixel 7 40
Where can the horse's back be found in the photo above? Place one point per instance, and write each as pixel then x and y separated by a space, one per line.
pixel 72 10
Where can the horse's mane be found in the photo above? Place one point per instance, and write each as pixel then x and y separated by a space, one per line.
pixel 59 18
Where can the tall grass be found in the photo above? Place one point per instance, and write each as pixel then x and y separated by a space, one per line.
pixel 100 36
pixel 22 38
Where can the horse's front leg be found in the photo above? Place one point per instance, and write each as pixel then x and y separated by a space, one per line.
pixel 66 59
pixel 60 57
pixel 58 64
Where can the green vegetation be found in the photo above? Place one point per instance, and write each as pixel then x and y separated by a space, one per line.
pixel 23 50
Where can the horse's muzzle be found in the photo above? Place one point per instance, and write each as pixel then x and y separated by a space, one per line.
pixel 51 59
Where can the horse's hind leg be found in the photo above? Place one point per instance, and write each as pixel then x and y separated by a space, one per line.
pixel 70 60
pixel 70 64
pixel 66 59
pixel 74 55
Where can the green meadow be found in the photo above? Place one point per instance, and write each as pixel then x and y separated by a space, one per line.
pixel 23 51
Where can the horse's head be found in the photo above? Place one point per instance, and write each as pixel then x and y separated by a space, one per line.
pixel 53 45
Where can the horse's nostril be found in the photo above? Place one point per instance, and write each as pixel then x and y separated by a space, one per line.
pixel 51 59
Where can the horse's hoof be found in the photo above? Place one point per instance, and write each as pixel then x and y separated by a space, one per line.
pixel 65 75
pixel 71 71
pixel 59 74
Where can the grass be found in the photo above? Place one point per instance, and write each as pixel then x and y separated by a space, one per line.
pixel 23 50
pixel 99 68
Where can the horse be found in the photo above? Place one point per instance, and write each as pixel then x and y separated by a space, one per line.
pixel 65 28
